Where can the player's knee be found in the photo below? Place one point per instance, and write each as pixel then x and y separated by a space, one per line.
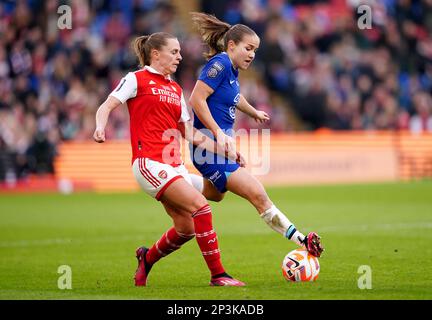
pixel 197 203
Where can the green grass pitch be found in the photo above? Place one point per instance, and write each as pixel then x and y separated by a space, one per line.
pixel 385 226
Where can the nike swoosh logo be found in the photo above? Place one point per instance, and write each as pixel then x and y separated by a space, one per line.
pixel 295 261
pixel 231 82
pixel 212 240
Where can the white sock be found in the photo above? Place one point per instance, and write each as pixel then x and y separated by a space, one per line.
pixel 280 223
pixel 197 182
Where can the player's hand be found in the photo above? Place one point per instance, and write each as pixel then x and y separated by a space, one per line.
pixel 241 160
pixel 227 143
pixel 261 116
pixel 99 135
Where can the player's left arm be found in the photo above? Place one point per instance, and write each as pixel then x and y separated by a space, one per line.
pixel 245 107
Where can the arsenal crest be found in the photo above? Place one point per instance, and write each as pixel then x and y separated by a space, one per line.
pixel 163 174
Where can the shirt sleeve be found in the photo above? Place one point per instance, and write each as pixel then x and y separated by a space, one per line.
pixel 185 116
pixel 214 72
pixel 126 89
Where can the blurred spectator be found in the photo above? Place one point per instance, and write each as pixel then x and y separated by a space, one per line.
pixel 338 76
pixel 422 120
pixel 7 164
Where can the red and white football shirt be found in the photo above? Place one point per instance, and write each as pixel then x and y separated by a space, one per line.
pixel 156 106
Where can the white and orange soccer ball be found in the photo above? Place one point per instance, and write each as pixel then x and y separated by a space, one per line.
pixel 300 265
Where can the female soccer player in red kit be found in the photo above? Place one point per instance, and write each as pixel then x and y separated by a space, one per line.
pixel 157 111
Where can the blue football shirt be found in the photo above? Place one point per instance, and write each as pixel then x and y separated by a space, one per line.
pixel 220 75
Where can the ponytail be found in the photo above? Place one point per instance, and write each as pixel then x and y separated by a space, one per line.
pixel 216 33
pixel 212 31
pixel 143 46
pixel 139 49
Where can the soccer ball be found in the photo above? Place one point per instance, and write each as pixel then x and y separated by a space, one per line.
pixel 300 265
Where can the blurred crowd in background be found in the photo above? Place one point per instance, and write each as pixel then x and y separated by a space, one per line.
pixel 315 67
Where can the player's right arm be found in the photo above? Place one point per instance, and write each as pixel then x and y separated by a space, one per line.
pixel 197 138
pixel 102 116
pixel 198 101
pixel 126 89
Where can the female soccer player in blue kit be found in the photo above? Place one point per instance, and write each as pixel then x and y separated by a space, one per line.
pixel 214 99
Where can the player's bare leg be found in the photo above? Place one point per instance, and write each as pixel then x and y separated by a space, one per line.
pixel 205 187
pixel 170 241
pixel 242 183
pixel 180 194
pixel 211 193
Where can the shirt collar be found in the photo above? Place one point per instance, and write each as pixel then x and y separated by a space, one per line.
pixel 152 70
pixel 236 71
